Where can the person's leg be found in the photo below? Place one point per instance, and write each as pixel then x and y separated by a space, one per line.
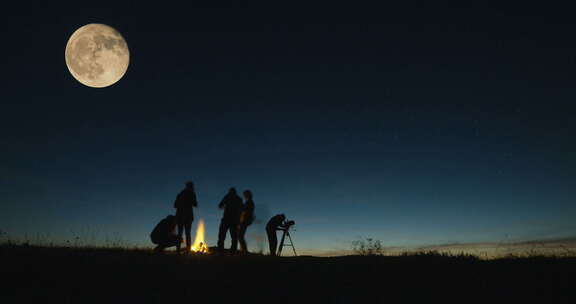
pixel 156 242
pixel 180 227
pixel 222 234
pixel 158 249
pixel 188 227
pixel 272 241
pixel 170 241
pixel 234 236
pixel 241 239
pixel 173 240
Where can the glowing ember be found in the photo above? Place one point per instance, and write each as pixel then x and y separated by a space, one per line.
pixel 200 242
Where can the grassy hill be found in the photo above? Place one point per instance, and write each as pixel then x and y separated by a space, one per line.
pixel 97 275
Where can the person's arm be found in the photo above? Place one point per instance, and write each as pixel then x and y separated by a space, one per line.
pixel 222 203
pixel 280 225
pixel 176 201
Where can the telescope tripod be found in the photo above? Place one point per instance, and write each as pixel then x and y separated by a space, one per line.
pixel 282 242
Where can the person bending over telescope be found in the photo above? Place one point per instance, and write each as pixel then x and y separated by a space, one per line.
pixel 277 222
pixel 164 234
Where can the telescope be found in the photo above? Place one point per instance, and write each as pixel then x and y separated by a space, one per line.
pixel 287 224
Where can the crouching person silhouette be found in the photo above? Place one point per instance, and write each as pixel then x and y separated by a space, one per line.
pixel 164 234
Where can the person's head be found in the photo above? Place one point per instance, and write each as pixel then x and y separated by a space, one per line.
pixel 232 191
pixel 247 194
pixel 283 216
pixel 189 185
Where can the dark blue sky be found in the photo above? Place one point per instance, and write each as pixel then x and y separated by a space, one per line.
pixel 416 126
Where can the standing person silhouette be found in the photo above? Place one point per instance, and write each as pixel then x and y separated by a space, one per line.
pixel 246 219
pixel 232 205
pixel 185 201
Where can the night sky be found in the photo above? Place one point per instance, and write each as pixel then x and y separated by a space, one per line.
pixel 412 125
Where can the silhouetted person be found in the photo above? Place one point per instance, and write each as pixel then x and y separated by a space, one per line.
pixel 185 201
pixel 246 219
pixel 163 234
pixel 274 224
pixel 232 205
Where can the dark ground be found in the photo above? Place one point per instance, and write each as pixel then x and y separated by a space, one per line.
pixel 74 275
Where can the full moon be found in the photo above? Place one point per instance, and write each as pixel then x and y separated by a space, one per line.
pixel 97 55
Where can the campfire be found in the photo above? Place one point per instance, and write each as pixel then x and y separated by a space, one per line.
pixel 199 245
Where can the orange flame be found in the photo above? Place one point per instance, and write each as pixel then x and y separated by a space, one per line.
pixel 200 241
